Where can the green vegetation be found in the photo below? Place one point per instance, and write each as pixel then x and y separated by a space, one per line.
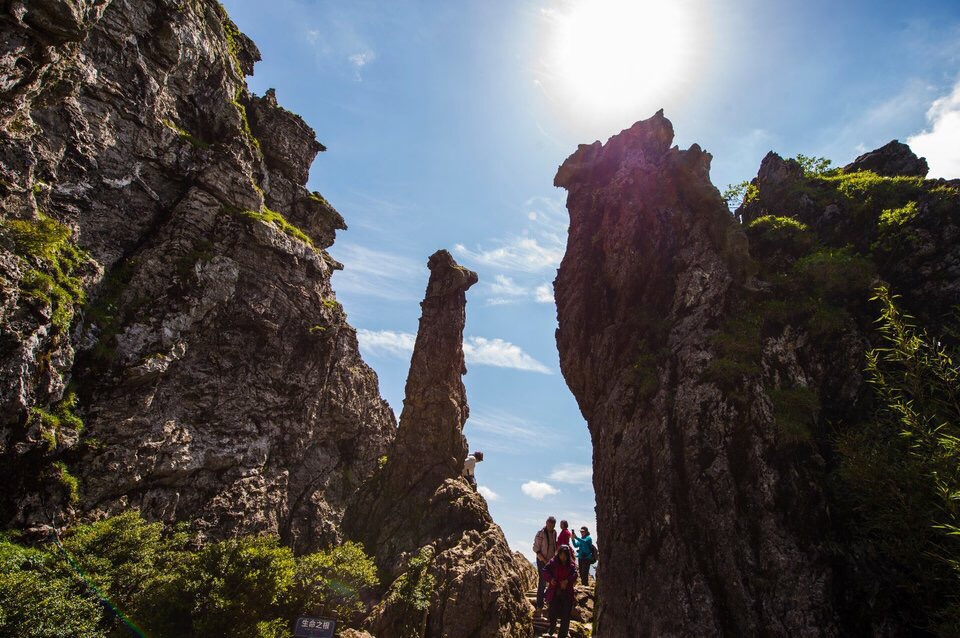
pixel 834 275
pixel 106 312
pixel 248 586
pixel 813 166
pixel 68 480
pixel 780 239
pixel 896 217
pixel 52 280
pixel 60 416
pixel 742 193
pixel 899 476
pixel 413 591
pixel 317 197
pixel 245 121
pixel 330 583
pixel 274 218
pixel 186 135
pixel 738 350
pixel 646 370
pixel 794 410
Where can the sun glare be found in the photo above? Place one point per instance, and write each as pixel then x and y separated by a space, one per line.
pixel 610 57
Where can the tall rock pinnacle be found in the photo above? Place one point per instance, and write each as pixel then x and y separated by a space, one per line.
pixel 430 441
pixel 702 534
pixel 418 512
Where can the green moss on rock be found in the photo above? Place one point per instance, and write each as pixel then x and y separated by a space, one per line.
pixel 53 280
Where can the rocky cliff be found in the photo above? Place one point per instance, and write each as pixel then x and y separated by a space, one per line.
pixel 708 354
pixel 169 339
pixel 427 524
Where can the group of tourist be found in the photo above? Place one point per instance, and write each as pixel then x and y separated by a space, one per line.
pixel 558 571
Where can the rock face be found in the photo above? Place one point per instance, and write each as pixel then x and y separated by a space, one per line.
pixel 695 538
pixel 708 356
pixel 164 264
pixel 890 160
pixel 419 508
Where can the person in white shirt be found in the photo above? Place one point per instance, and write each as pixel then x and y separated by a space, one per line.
pixel 469 467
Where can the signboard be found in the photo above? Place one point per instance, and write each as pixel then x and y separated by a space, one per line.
pixel 314 628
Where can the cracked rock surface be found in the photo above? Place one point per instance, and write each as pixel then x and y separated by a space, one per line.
pixel 216 374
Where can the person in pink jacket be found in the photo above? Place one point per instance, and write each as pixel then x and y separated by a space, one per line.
pixel 560 575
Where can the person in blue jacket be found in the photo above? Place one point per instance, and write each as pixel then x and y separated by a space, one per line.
pixel 585 554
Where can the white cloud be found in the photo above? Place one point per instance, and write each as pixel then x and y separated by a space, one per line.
pixel 506 290
pixel 537 247
pixel 507 431
pixel 522 253
pixel 503 285
pixel 378 274
pixel 487 493
pixel 500 354
pixel 360 60
pixel 940 143
pixel 543 294
pixel 538 490
pixel 476 350
pixel 386 342
pixel 572 473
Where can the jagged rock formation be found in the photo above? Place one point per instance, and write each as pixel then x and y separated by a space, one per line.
pixel 163 261
pixel 707 356
pixel 891 160
pixel 419 507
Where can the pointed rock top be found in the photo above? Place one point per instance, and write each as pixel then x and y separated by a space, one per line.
pixel 645 144
pixel 890 160
pixel 447 276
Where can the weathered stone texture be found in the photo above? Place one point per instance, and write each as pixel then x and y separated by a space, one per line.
pixel 697 539
pixel 217 375
pixel 685 332
pixel 419 499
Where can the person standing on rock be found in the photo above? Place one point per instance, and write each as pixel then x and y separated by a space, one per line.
pixel 469 467
pixel 545 548
pixel 585 553
pixel 563 538
pixel 561 576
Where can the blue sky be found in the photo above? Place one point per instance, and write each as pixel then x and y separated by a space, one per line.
pixel 445 123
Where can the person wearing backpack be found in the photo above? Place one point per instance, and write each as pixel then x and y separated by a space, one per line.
pixel 586 553
pixel 545 548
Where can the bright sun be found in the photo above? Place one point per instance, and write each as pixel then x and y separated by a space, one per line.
pixel 607 58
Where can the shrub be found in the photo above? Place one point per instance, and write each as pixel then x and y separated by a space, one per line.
pixel 834 275
pixel 413 592
pixel 779 240
pixel 239 583
pixel 900 471
pixel 35 603
pixel 813 166
pixel 331 583
pixel 248 586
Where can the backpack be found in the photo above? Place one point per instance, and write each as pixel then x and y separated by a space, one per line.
pixel 596 553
